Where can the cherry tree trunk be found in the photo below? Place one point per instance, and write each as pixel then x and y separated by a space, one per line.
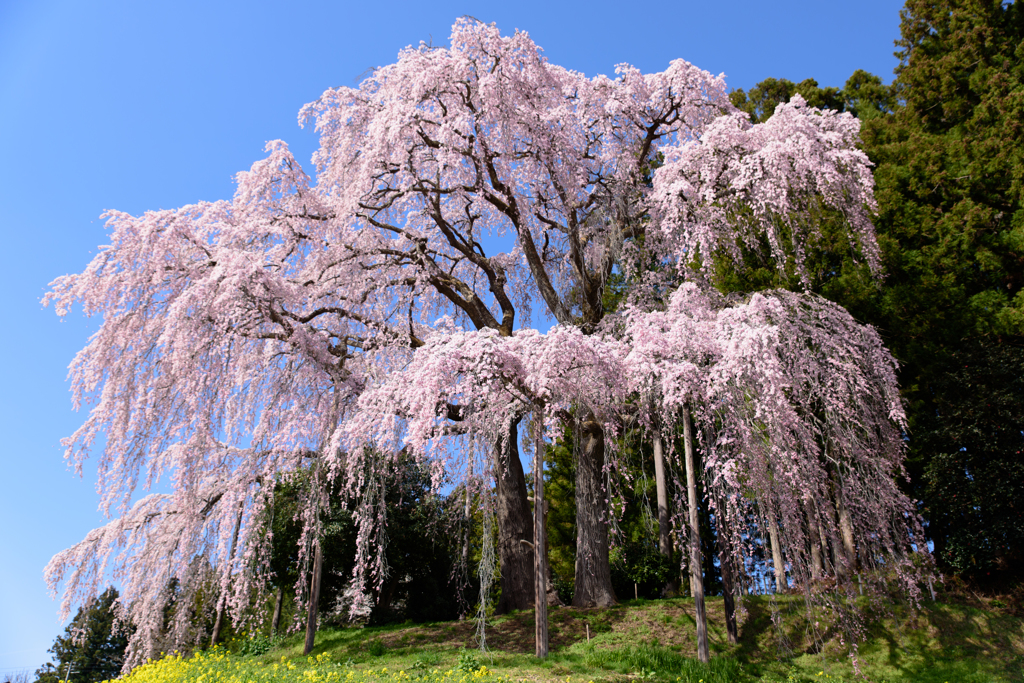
pixel 814 538
pixel 847 563
pixel 696 564
pixel 314 598
pixel 846 528
pixel 540 545
pixel 593 573
pixel 727 565
pixel 514 525
pixel 778 564
pixel 827 566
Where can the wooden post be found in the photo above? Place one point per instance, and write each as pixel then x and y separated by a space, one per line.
pixel 664 538
pixel 696 563
pixel 540 569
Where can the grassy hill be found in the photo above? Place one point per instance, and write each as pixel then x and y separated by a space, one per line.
pixel 648 640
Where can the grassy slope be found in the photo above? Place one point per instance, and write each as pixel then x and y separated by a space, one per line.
pixel 943 643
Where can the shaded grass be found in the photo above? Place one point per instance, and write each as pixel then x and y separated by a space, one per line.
pixel 655 640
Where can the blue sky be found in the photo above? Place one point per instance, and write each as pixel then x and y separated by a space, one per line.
pixel 136 106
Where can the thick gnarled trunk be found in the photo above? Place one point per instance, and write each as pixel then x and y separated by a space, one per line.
pixel 515 524
pixel 593 573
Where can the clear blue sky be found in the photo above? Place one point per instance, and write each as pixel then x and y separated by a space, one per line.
pixel 138 105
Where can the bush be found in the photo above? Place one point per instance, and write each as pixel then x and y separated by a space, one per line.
pixel 258 644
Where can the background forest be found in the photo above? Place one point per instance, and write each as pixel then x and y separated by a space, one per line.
pixel 945 139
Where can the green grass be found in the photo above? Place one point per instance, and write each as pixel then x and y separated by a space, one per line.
pixel 655 641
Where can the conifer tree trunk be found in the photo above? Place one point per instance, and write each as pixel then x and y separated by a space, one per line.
pixel 515 524
pixel 696 564
pixel 593 573
pixel 275 623
pixel 314 598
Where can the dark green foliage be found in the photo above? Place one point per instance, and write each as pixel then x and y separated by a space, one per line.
pixel 89 645
pixel 421 551
pixel 762 99
pixel 638 567
pixel 258 644
pixel 975 476
pixel 560 491
pixel 864 96
pixel 950 164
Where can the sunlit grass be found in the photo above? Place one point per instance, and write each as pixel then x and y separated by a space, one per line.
pixel 638 641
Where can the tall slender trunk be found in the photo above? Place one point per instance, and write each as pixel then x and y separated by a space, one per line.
pixel 778 564
pixel 593 572
pixel 515 524
pixel 664 535
pixel 697 581
pixel 728 568
pixel 314 599
pixel 664 520
pixel 222 599
pixel 540 547
pixel 275 623
pixel 465 533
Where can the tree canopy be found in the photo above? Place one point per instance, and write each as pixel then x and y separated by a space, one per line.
pixel 340 328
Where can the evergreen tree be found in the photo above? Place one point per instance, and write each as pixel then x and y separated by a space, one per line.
pixel 90 649
pixel 950 166
pixel 946 139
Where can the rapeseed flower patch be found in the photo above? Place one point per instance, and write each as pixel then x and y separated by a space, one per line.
pixel 219 666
